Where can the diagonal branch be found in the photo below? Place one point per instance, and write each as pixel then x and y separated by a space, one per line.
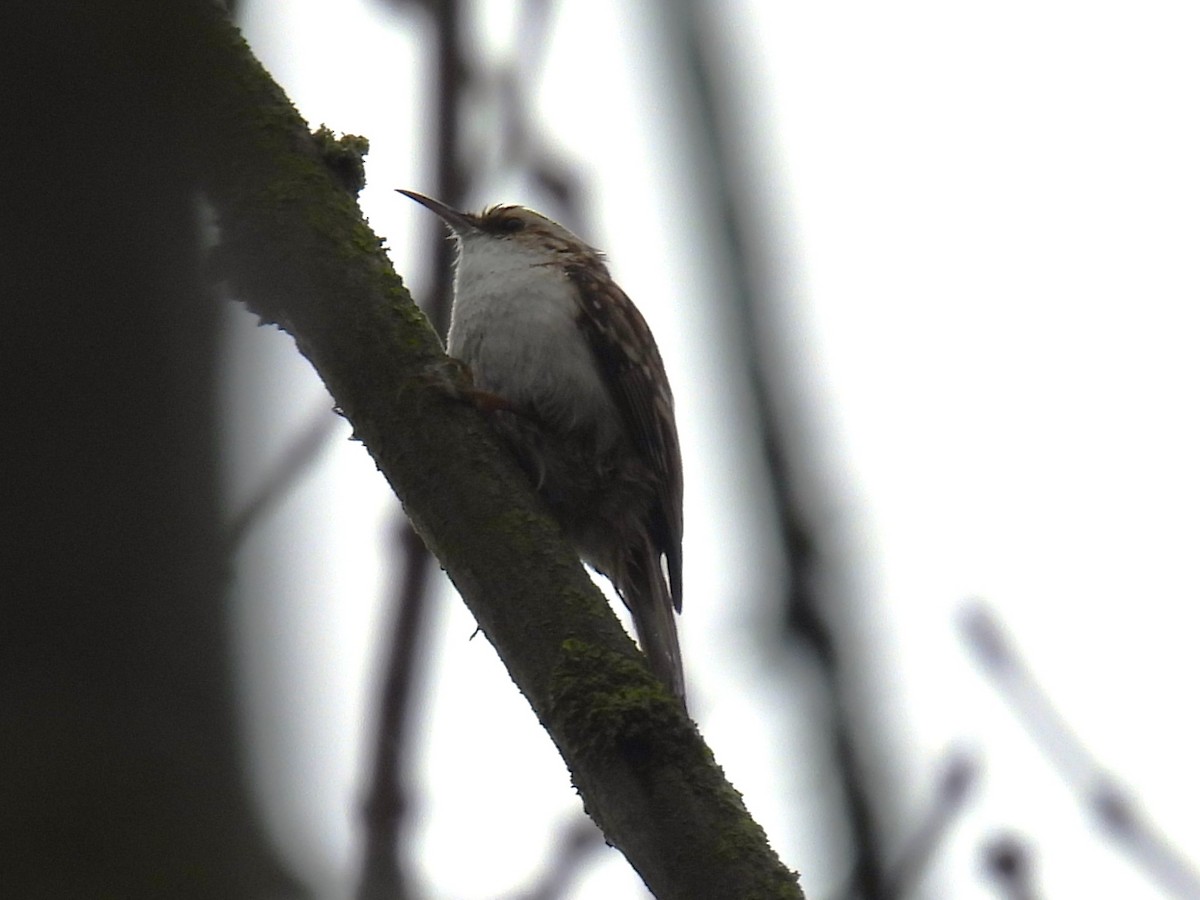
pixel 1115 809
pixel 296 250
pixel 386 872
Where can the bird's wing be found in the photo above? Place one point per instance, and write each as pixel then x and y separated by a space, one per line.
pixel 629 358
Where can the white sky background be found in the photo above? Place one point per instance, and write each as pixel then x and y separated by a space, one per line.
pixel 986 221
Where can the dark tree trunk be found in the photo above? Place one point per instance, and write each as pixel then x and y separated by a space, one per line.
pixel 119 772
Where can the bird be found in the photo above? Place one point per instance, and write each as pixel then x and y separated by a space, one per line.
pixel 574 384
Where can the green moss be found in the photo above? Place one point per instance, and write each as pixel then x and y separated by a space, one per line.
pixel 520 525
pixel 610 703
pixel 343 156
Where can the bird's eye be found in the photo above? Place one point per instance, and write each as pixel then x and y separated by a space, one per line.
pixel 511 224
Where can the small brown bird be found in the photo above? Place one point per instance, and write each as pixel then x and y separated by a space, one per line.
pixel 583 401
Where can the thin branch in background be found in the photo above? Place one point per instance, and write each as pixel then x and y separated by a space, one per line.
pixel 1114 809
pixel 453 175
pixel 580 840
pixel 387 800
pixel 384 869
pixel 717 132
pixel 960 772
pixel 1049 730
pixel 450 173
pixel 1008 862
pixel 384 875
pixel 523 147
pixel 525 143
pixel 300 454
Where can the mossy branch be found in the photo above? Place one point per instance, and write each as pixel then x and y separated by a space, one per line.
pixel 296 251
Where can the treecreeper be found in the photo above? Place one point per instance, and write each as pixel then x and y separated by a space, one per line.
pixel 572 380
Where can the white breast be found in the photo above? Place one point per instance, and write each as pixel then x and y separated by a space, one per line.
pixel 514 324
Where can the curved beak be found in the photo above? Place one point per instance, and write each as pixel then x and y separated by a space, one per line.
pixel 458 221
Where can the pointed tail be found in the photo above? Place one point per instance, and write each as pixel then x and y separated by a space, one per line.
pixel 649 601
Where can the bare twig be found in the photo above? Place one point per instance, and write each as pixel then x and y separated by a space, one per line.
pixel 960 770
pixel 1009 862
pixel 579 840
pixel 383 876
pixel 792 499
pixel 384 871
pixel 284 474
pixel 449 173
pixel 1114 809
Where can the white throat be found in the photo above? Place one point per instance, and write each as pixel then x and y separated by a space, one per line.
pixel 515 324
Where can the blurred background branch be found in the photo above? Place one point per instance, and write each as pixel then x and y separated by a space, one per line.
pixel 794 513
pixel 1113 809
pixel 387 873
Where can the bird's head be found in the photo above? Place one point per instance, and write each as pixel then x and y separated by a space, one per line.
pixel 509 230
